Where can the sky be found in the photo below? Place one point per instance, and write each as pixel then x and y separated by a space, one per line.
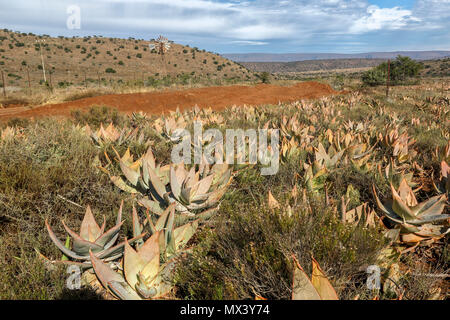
pixel 234 26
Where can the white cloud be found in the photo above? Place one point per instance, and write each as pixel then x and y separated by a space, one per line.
pixel 246 22
pixel 383 18
pixel 435 13
pixel 250 43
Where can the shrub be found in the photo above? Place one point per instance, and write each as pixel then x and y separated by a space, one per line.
pixel 54 163
pixel 249 250
pixel 97 115
pixel 110 70
pixel 265 77
pixel 402 69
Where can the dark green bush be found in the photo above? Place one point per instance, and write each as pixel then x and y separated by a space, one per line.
pixel 402 69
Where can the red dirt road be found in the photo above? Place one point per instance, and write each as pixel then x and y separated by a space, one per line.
pixel 217 98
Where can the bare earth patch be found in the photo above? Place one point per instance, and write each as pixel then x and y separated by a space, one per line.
pixel 217 98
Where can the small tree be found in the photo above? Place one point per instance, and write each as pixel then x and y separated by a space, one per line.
pixel 265 77
pixel 402 69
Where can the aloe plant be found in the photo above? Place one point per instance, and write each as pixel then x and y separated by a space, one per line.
pixel 173 239
pixel 110 134
pixel 442 153
pixel 318 288
pixel 142 275
pixel 92 238
pixel 328 158
pixel 443 186
pixel 315 176
pixel 361 215
pixel 400 145
pixel 289 149
pixel 415 221
pixel 171 128
pixel 196 193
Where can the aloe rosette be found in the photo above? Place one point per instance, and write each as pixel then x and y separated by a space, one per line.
pixel 415 221
pixel 92 238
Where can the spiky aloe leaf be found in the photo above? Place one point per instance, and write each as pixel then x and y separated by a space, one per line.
pixel 302 288
pixel 112 280
pixel 122 185
pixel 151 205
pixel 132 264
pixel 175 184
pixel 89 229
pixel 104 273
pixel 60 245
pixel 131 172
pixel 157 184
pixel 387 209
pixel 321 283
pixel 110 236
pixel 431 207
pixel 183 234
pixel 400 207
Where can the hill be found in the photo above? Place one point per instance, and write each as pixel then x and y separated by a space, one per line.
pixel 311 65
pixel 436 68
pixel 91 59
pixel 431 68
pixel 290 57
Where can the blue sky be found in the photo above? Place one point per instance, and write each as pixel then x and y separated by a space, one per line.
pixel 234 26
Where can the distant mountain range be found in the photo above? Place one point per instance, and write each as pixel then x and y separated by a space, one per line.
pixel 291 57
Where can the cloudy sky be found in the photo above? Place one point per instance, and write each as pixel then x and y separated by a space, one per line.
pixel 234 26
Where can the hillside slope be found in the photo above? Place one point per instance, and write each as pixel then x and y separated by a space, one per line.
pixel 73 60
pixel 311 65
pixel 431 68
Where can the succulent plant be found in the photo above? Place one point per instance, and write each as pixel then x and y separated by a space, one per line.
pixel 201 190
pixel 195 193
pixel 173 239
pixel 315 176
pixel 171 127
pixel 293 129
pixel 141 277
pixel 92 238
pixel 362 215
pixel 289 149
pixel 328 158
pixel 442 153
pixel 415 222
pixel 400 145
pixel 318 288
pixel 140 175
pixel 110 135
pixel 444 184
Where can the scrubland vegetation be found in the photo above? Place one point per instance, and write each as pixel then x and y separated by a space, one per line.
pixel 363 181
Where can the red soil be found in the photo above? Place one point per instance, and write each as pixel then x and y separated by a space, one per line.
pixel 217 98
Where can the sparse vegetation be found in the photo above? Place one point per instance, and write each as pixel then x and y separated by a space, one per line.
pixel 320 203
pixel 363 179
